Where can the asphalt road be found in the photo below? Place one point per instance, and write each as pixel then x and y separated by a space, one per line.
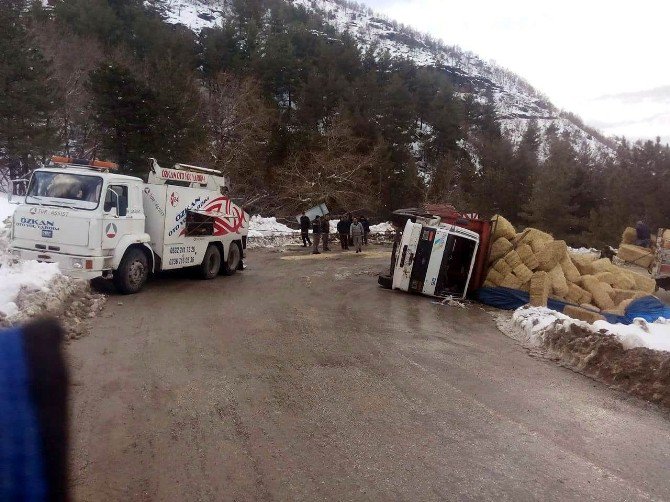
pixel 300 379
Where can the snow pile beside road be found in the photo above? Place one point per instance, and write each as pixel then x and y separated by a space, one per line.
pixel 268 227
pixel 536 322
pixel 17 277
pixel 634 359
pixel 30 289
pixel 382 228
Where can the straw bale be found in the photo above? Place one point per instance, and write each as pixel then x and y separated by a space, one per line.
pixel 524 251
pixel 602 265
pixel 513 259
pixel 622 279
pixel 539 289
pixel 518 238
pixel 586 298
pixel 626 303
pixel 582 314
pixel 599 290
pixel 643 283
pixel 502 267
pixel 575 293
pixel 523 272
pixel 511 281
pixel 488 284
pixel 536 239
pixel 588 306
pixel 531 262
pixel 607 277
pixel 550 255
pixel 622 295
pixel 629 236
pixel 571 272
pixel 499 249
pixel 615 311
pixel 583 262
pixel 494 277
pixel 666 235
pixel 630 253
pixel 503 228
pixel 559 285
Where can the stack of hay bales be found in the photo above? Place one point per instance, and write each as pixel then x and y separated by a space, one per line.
pixel 630 253
pixel 534 261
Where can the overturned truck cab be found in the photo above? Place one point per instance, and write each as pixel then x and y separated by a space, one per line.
pixel 437 258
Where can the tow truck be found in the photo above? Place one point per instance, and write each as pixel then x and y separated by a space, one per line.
pixel 94 222
pixel 438 252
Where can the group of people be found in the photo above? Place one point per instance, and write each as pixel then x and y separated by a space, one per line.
pixel 352 231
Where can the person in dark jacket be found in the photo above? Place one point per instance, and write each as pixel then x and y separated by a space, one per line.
pixel 316 230
pixel 304 230
pixel 325 231
pixel 344 234
pixel 366 229
pixel 643 234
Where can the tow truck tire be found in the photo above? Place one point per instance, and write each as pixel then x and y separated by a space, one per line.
pixel 211 263
pixel 132 273
pixel 232 264
pixel 385 281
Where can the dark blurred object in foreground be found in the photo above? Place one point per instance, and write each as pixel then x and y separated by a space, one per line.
pixel 33 413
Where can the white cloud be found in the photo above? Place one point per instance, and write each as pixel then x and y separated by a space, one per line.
pixel 574 51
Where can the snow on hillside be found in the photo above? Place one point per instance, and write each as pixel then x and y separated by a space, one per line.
pixel 516 101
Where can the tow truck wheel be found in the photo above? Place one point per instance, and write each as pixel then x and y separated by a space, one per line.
pixel 211 263
pixel 132 273
pixel 233 261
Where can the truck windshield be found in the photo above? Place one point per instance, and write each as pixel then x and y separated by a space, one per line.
pixel 77 191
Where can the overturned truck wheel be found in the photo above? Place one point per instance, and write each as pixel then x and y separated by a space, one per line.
pixel 385 281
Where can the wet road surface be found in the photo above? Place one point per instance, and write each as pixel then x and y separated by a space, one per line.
pixel 301 379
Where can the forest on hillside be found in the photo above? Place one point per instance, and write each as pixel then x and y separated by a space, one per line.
pixel 296 115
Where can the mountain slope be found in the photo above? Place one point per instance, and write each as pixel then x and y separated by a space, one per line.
pixel 515 100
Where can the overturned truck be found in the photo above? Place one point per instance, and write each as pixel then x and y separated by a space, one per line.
pixel 438 252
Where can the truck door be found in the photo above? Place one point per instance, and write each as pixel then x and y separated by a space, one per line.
pixel 116 221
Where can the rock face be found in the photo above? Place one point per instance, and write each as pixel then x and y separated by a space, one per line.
pixel 515 100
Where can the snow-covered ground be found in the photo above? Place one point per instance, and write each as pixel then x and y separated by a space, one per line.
pixel 533 323
pixel 27 276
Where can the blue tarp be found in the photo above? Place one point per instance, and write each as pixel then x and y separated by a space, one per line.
pixel 648 308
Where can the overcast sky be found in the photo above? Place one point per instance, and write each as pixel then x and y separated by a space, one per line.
pixel 604 60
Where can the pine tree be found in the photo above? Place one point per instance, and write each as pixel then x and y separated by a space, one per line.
pixel 126 111
pixel 26 97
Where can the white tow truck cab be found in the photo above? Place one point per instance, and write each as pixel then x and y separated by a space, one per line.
pixel 97 223
pixel 434 259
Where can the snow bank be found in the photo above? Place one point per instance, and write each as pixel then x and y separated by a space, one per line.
pixel 382 228
pixel 19 278
pixel 268 227
pixel 583 251
pixel 634 359
pixel 536 322
pixel 29 276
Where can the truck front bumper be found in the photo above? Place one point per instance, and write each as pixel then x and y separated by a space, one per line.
pixel 79 267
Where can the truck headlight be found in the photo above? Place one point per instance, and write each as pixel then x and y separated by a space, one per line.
pixel 77 263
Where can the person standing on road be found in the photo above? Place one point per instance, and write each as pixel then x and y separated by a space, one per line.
pixel 342 230
pixel 357 233
pixel 304 230
pixel 366 229
pixel 325 231
pixel 316 230
pixel 350 220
